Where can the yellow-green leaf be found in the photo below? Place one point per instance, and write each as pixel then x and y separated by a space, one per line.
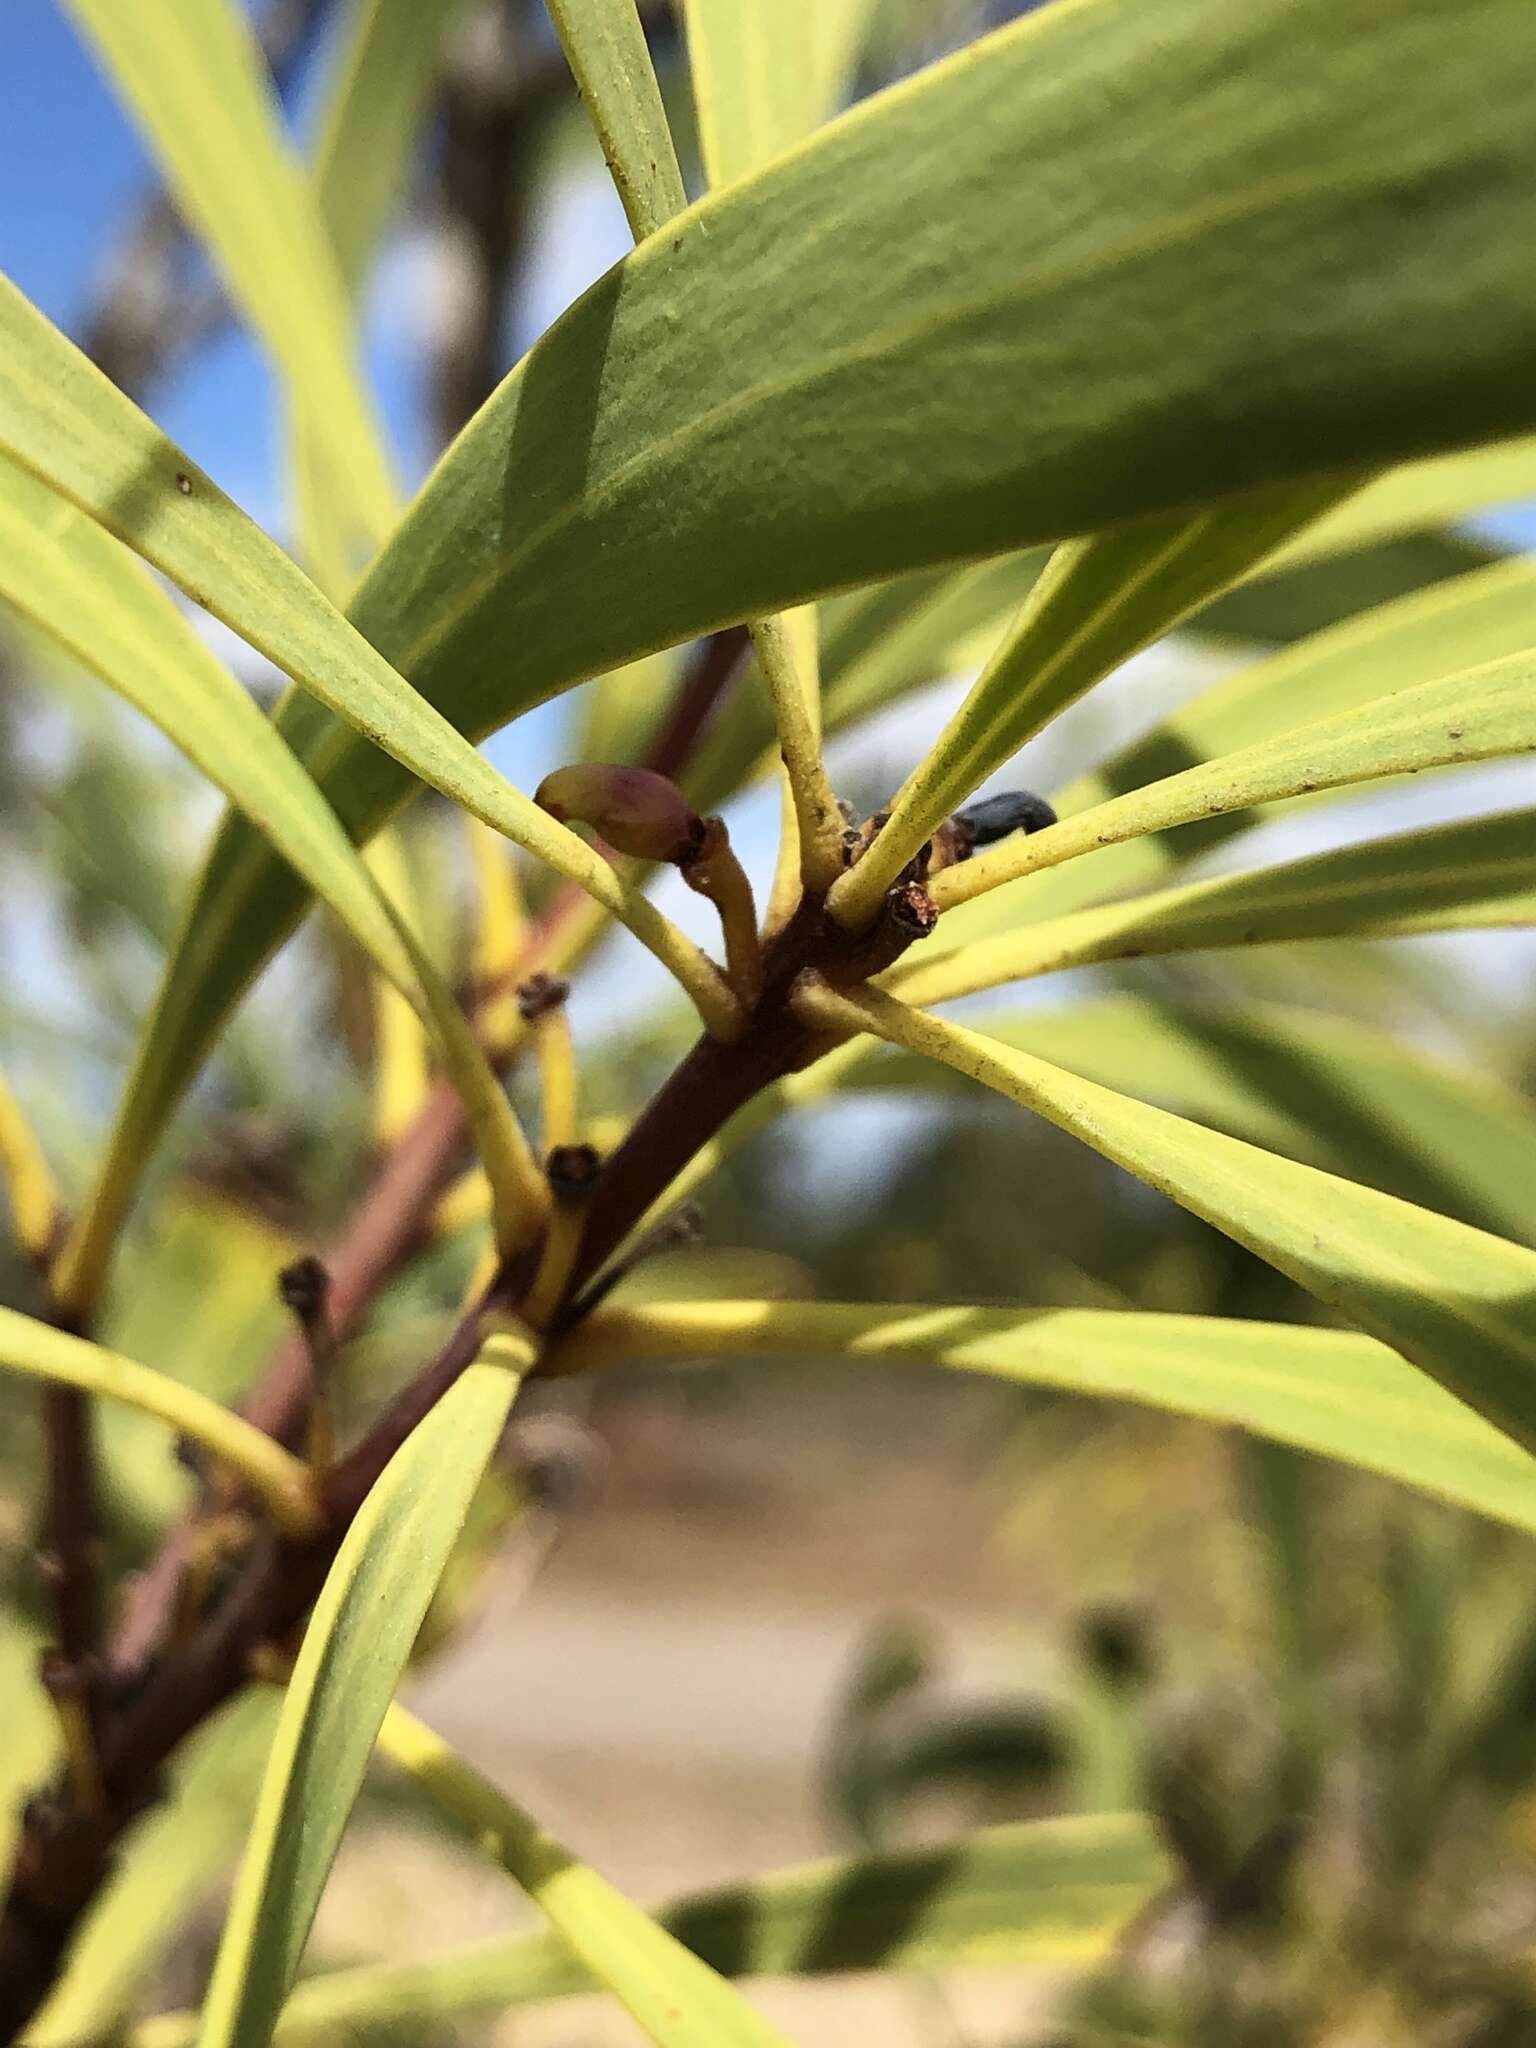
pixel 45 1353
pixel 1171 331
pixel 1466 620
pixel 354 1651
pixel 766 73
pixel 1054 1892
pixel 1096 603
pixel 1335 1093
pixel 1457 877
pixel 27 1180
pixel 605 46
pixel 1453 1300
pixel 193 78
pixel 1327 1391
pixel 1480 715
pixel 679 2001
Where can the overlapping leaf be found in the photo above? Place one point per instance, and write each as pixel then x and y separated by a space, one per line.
pixel 1453 1300
pixel 1328 1391
pixel 355 1648
pixel 1036 1892
pixel 1178 348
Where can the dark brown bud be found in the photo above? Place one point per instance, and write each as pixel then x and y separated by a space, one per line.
pixel 540 994
pixel 573 1171
pixel 304 1288
pixel 635 810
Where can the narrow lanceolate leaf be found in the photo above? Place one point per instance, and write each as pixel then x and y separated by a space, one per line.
pixel 26 1180
pixel 371 122
pixel 368 127
pixel 766 73
pixel 89 595
pixel 1236 159
pixel 606 49
pixel 1418 495
pixel 1453 1300
pixel 1459 877
pixel 45 1353
pixel 1335 1093
pixel 193 79
pixel 61 419
pixel 1096 603
pixel 355 1648
pixel 1466 621
pixel 1328 1391
pixel 1035 1892
pixel 677 2000
pixel 1483 714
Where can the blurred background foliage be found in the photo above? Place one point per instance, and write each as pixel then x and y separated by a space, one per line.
pixel 973 1601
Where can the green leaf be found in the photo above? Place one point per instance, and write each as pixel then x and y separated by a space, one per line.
pixel 1337 1094
pixel 1327 1391
pixel 1036 1892
pixel 1097 602
pixel 368 127
pixel 88 593
pixel 765 77
pixel 605 47
pixel 679 2001
pixel 26 1178
pixel 1478 873
pixel 1453 1300
pixel 171 1862
pixel 44 1353
pixel 372 117
pixel 193 78
pixel 1155 209
pixel 1420 495
pixel 1481 714
pixel 1470 619
pixel 354 1651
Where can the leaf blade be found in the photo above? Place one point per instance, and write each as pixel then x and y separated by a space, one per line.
pixel 355 1648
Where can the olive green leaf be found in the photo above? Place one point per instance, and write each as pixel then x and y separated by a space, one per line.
pixel 194 80
pixel 679 2001
pixel 1034 1892
pixel 354 1651
pixel 1059 381
pixel 1476 873
pixel 765 76
pixel 1481 714
pixel 1453 1300
pixel 605 47
pixel 45 1353
pixel 1329 1391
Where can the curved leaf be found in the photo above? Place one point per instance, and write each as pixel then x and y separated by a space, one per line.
pixel 44 1353
pixel 1482 714
pixel 679 2001
pixel 1447 878
pixel 1034 1892
pixel 1326 1391
pixel 1155 210
pixel 1323 1089
pixel 1097 602
pixel 194 79
pixel 1466 620
pixel 354 1650
pixel 1453 1300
